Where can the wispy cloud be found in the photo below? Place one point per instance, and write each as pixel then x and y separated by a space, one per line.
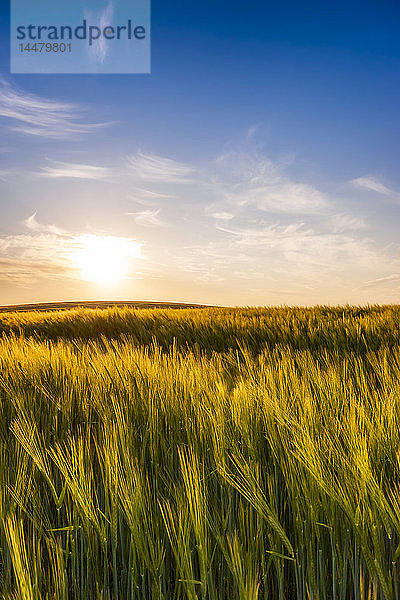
pixel 43 117
pixel 28 257
pixel 240 220
pixel 158 169
pixel 243 217
pixel 99 48
pixel 148 218
pixel 259 182
pixel 75 170
pixel 49 252
pixel 383 281
pixel 297 245
pixel 221 216
pixel 6 174
pixel 232 185
pixel 34 225
pixel 148 197
pixel 343 222
pixel 372 184
pixel 251 132
pixel 295 256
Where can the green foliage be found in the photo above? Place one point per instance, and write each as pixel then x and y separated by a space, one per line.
pixel 200 454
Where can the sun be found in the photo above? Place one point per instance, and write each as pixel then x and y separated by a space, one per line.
pixel 105 260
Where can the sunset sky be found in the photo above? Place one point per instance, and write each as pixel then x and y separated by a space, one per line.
pixel 257 164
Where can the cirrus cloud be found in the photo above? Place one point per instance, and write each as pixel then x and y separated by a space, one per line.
pixel 34 115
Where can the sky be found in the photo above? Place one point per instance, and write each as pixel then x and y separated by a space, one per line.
pixel 257 164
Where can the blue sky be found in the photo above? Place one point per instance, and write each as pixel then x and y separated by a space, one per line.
pixel 256 164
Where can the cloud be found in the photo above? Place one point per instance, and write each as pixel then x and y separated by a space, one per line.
pixel 295 255
pixel 34 225
pixel 252 131
pixel 233 181
pixel 21 271
pixel 43 117
pixel 5 174
pixel 222 216
pixel 148 218
pixel 260 183
pixel 99 48
pixel 372 184
pixel 245 214
pixel 344 223
pixel 49 252
pixel 383 281
pixel 233 185
pixel 158 169
pixel 148 197
pixel 234 220
pixel 75 170
pixel 27 258
pixel 282 196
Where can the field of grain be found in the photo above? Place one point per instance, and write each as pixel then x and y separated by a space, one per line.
pixel 214 454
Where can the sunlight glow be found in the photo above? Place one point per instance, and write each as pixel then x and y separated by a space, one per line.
pixel 105 260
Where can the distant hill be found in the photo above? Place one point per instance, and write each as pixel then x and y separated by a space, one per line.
pixel 43 306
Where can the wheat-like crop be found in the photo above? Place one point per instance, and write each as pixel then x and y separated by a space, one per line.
pixel 214 454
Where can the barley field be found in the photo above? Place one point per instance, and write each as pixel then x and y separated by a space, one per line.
pixel 214 454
